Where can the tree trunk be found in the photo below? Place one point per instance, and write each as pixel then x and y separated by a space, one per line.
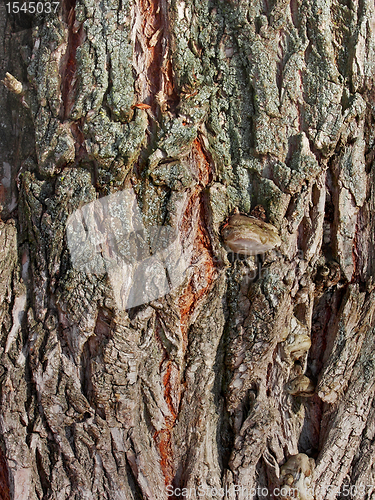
pixel 129 373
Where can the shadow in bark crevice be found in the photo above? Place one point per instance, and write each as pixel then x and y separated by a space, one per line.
pixel 93 349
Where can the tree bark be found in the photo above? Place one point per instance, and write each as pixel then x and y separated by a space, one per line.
pixel 193 109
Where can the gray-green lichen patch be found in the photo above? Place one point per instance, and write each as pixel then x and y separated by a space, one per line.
pixel 55 145
pixel 120 52
pixel 323 87
pixel 266 93
pixel 185 45
pixel 285 179
pixel 273 182
pixel 96 80
pixel 242 192
pixel 8 256
pixel 50 45
pixel 351 165
pixel 219 203
pixel 303 160
pixel 175 175
pixel 273 200
pixel 217 128
pixel 79 294
pixel 73 188
pixel 176 138
pixel 45 209
pixel 195 106
pixel 114 146
pixel 104 61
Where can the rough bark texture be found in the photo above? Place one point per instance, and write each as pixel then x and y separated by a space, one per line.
pixel 199 107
